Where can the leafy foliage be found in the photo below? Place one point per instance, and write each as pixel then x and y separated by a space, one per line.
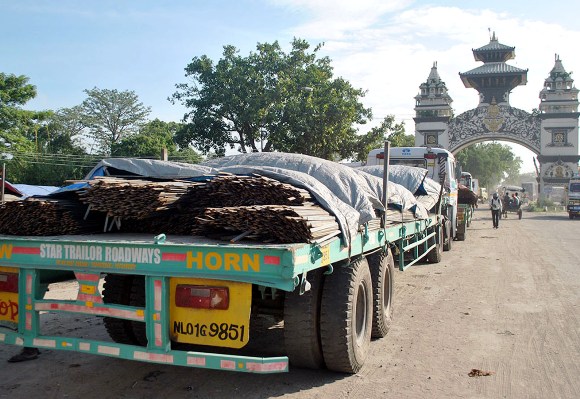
pixel 375 138
pixel 15 122
pixel 149 141
pixel 152 139
pixel 111 115
pixel 491 163
pixel 270 101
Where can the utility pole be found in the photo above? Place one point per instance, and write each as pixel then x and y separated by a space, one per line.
pixel 3 180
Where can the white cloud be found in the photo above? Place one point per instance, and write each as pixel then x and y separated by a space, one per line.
pixel 390 52
pixel 333 19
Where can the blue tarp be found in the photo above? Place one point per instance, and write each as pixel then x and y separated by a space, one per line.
pixel 30 190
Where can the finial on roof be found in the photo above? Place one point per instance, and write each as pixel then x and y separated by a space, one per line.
pixel 434 64
pixel 493 38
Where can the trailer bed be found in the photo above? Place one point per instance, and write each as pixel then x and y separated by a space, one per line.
pixel 160 259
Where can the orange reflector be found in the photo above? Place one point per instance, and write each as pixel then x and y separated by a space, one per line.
pixel 8 282
pixel 202 297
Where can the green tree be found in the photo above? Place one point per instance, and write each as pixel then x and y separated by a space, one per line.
pixel 65 131
pixel 270 101
pixel 188 155
pixel 153 137
pixel 39 147
pixel 375 138
pixel 491 163
pixel 15 122
pixel 111 116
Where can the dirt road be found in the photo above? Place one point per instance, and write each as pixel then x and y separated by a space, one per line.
pixel 506 301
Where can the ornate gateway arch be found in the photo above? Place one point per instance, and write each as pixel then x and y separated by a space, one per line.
pixel 551 132
pixel 495 122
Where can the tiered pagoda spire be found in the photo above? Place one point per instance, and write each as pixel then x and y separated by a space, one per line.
pixel 559 94
pixel 433 100
pixel 495 79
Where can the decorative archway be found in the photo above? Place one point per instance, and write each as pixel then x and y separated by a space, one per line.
pixel 495 122
pixel 551 133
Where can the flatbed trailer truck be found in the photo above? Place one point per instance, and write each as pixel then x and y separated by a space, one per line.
pixel 189 300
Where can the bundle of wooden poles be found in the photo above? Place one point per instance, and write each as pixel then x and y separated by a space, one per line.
pixel 131 198
pixel 272 223
pixel 45 217
pixel 228 190
pixel 227 206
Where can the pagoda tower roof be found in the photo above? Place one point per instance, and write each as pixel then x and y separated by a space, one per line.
pixel 494 51
pixel 494 69
pixel 494 80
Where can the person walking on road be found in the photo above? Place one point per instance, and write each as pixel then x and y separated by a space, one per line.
pixel 495 205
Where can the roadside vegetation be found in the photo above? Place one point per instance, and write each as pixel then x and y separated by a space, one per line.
pixel 268 100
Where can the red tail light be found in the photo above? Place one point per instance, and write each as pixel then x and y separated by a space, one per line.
pixel 202 297
pixel 430 156
pixel 381 155
pixel 9 282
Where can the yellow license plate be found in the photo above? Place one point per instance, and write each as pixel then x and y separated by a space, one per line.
pixel 214 327
pixel 9 307
pixel 8 300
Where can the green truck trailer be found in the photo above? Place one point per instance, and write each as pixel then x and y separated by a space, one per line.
pixel 191 300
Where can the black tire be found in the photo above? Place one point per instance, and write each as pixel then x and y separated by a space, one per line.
pixel 346 316
pixel 138 299
pixel 302 324
pixel 436 254
pixel 117 290
pixel 461 231
pixel 447 239
pixel 382 269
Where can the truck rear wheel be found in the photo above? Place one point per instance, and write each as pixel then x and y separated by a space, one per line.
pixel 117 290
pixel 346 316
pixel 460 235
pixel 302 324
pixel 435 255
pixel 137 298
pixel 382 269
pixel 447 236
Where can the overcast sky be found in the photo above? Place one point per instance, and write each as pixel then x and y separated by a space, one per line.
pixel 386 47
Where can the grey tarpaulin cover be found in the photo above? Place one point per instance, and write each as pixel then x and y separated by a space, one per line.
pixel 151 168
pixel 328 181
pixel 399 197
pixel 350 195
pixel 425 189
pixel 409 177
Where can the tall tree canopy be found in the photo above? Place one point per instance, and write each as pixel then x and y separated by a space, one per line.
pixel 15 122
pixel 270 101
pixel 111 115
pixel 153 137
pixel 375 138
pixel 491 163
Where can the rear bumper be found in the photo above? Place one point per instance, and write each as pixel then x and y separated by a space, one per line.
pixel 262 365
